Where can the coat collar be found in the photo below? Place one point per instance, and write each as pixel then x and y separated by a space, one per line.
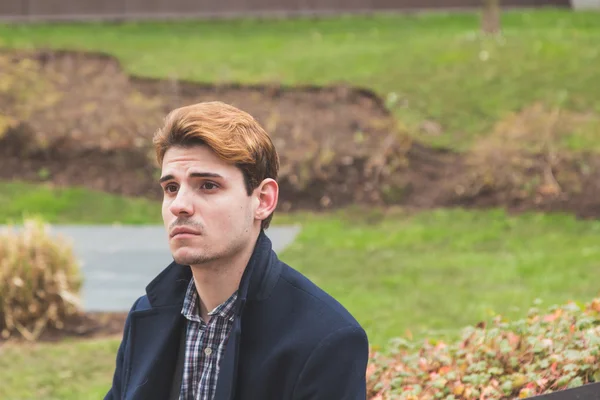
pixel 159 329
pixel 259 278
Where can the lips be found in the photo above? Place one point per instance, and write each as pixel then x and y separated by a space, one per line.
pixel 183 231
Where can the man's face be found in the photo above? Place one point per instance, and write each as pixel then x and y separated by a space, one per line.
pixel 206 209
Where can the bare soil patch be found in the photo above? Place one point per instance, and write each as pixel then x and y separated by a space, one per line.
pixel 78 119
pixel 90 325
pixel 96 126
pixel 83 326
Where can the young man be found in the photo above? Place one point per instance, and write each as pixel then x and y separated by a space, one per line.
pixel 227 319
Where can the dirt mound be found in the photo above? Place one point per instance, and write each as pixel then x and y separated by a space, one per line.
pixel 77 119
pixel 90 124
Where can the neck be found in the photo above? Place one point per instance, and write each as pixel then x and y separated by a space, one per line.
pixel 216 281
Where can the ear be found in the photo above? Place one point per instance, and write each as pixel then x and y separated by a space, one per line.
pixel 267 194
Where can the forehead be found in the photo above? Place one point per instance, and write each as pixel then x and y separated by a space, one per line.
pixel 196 159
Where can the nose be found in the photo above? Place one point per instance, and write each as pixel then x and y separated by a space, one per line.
pixel 182 203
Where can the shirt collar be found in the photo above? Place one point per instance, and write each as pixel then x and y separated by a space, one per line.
pixel 190 305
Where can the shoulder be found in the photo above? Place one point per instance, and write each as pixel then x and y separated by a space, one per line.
pixel 299 313
pixel 333 348
pixel 141 303
pixel 314 302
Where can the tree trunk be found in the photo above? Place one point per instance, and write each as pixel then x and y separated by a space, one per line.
pixel 490 18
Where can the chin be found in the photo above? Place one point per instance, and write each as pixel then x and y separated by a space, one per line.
pixel 188 256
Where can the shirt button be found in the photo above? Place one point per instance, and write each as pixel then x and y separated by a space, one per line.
pixel 208 351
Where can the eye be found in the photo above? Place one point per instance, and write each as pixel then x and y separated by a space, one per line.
pixel 209 186
pixel 170 188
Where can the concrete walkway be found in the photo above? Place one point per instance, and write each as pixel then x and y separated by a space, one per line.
pixel 119 261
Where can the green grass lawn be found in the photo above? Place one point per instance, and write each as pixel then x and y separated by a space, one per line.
pixel 74 370
pixel 431 273
pixel 73 205
pixel 434 272
pixel 77 205
pixel 437 64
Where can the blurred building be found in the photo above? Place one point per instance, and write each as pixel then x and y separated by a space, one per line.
pixel 48 10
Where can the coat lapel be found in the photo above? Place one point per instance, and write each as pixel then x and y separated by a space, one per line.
pixel 155 345
pixel 228 368
pixel 260 276
pixel 155 336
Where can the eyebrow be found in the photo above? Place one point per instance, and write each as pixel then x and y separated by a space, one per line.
pixel 192 175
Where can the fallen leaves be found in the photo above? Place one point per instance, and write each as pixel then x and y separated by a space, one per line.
pixel 539 354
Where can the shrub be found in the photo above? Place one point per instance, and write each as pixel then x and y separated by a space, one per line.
pixel 39 281
pixel 540 354
pixel 527 156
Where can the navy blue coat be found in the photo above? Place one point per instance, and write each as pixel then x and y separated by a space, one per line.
pixel 290 340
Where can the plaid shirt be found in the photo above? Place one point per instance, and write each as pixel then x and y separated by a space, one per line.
pixel 204 346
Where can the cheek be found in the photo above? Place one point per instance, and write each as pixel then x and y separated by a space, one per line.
pixel 232 218
pixel 166 214
pixel 228 214
pixel 228 220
